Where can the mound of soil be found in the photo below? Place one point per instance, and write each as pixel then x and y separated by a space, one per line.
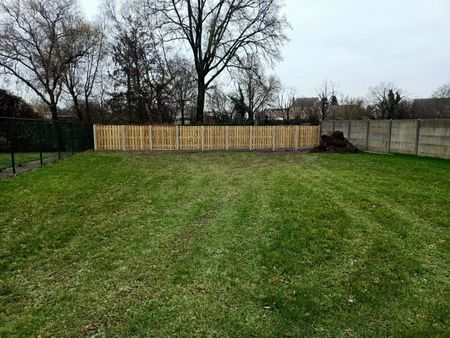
pixel 335 143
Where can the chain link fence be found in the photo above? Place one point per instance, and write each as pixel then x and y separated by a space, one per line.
pixel 31 142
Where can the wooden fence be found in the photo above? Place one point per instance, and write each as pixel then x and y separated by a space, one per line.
pixel 134 137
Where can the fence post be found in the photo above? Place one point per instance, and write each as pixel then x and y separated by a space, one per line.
pixel 320 133
pixel 349 130
pixel 273 138
pixel 389 137
pixel 251 138
pixel 11 145
pixel 227 146
pixel 296 135
pixel 367 135
pixel 72 137
pixel 94 130
pixel 41 161
pixel 203 137
pixel 417 136
pixel 122 132
pixel 177 137
pixel 58 138
pixel 150 137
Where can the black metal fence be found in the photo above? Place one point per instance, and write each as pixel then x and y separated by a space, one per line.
pixel 20 139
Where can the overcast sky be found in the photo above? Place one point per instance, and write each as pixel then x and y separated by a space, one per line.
pixel 360 43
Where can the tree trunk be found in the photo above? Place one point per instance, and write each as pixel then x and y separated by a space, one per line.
pixel 182 112
pixel 251 117
pixel 76 105
pixel 201 99
pixel 53 109
pixel 88 109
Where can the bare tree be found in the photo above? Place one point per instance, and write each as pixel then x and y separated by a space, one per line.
pixel 81 75
pixel 327 94
pixel 443 92
pixel 285 100
pixel 220 105
pixel 37 39
pixel 258 90
pixel 182 89
pixel 386 98
pixel 143 63
pixel 218 31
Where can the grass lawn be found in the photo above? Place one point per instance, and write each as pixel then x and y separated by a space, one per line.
pixel 22 158
pixel 227 245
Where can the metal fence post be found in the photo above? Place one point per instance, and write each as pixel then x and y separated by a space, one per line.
pixel 40 143
pixel 58 138
pixel 72 136
pixel 11 145
pixel 417 136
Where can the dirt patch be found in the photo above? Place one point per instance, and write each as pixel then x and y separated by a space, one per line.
pixel 335 143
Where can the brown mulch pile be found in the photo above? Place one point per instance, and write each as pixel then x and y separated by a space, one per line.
pixel 335 143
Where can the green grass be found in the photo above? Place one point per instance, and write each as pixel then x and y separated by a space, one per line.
pixel 227 245
pixel 21 158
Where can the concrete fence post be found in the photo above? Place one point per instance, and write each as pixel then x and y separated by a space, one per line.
pixel 389 137
pixel 367 135
pixel 349 123
pixel 416 151
pixel 95 138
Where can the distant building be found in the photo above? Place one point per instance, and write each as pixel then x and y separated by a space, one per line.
pixel 431 108
pixel 305 108
pixel 301 109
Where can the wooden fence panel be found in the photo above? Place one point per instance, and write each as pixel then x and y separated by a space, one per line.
pixel 262 138
pixel 215 138
pixel 238 137
pixel 190 138
pixel 164 137
pixel 139 138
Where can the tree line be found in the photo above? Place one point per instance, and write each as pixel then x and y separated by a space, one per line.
pixel 166 61
pixel 143 59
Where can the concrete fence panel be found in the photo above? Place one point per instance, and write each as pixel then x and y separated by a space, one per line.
pixel 358 133
pixel 434 138
pixel 379 136
pixel 417 137
pixel 403 137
